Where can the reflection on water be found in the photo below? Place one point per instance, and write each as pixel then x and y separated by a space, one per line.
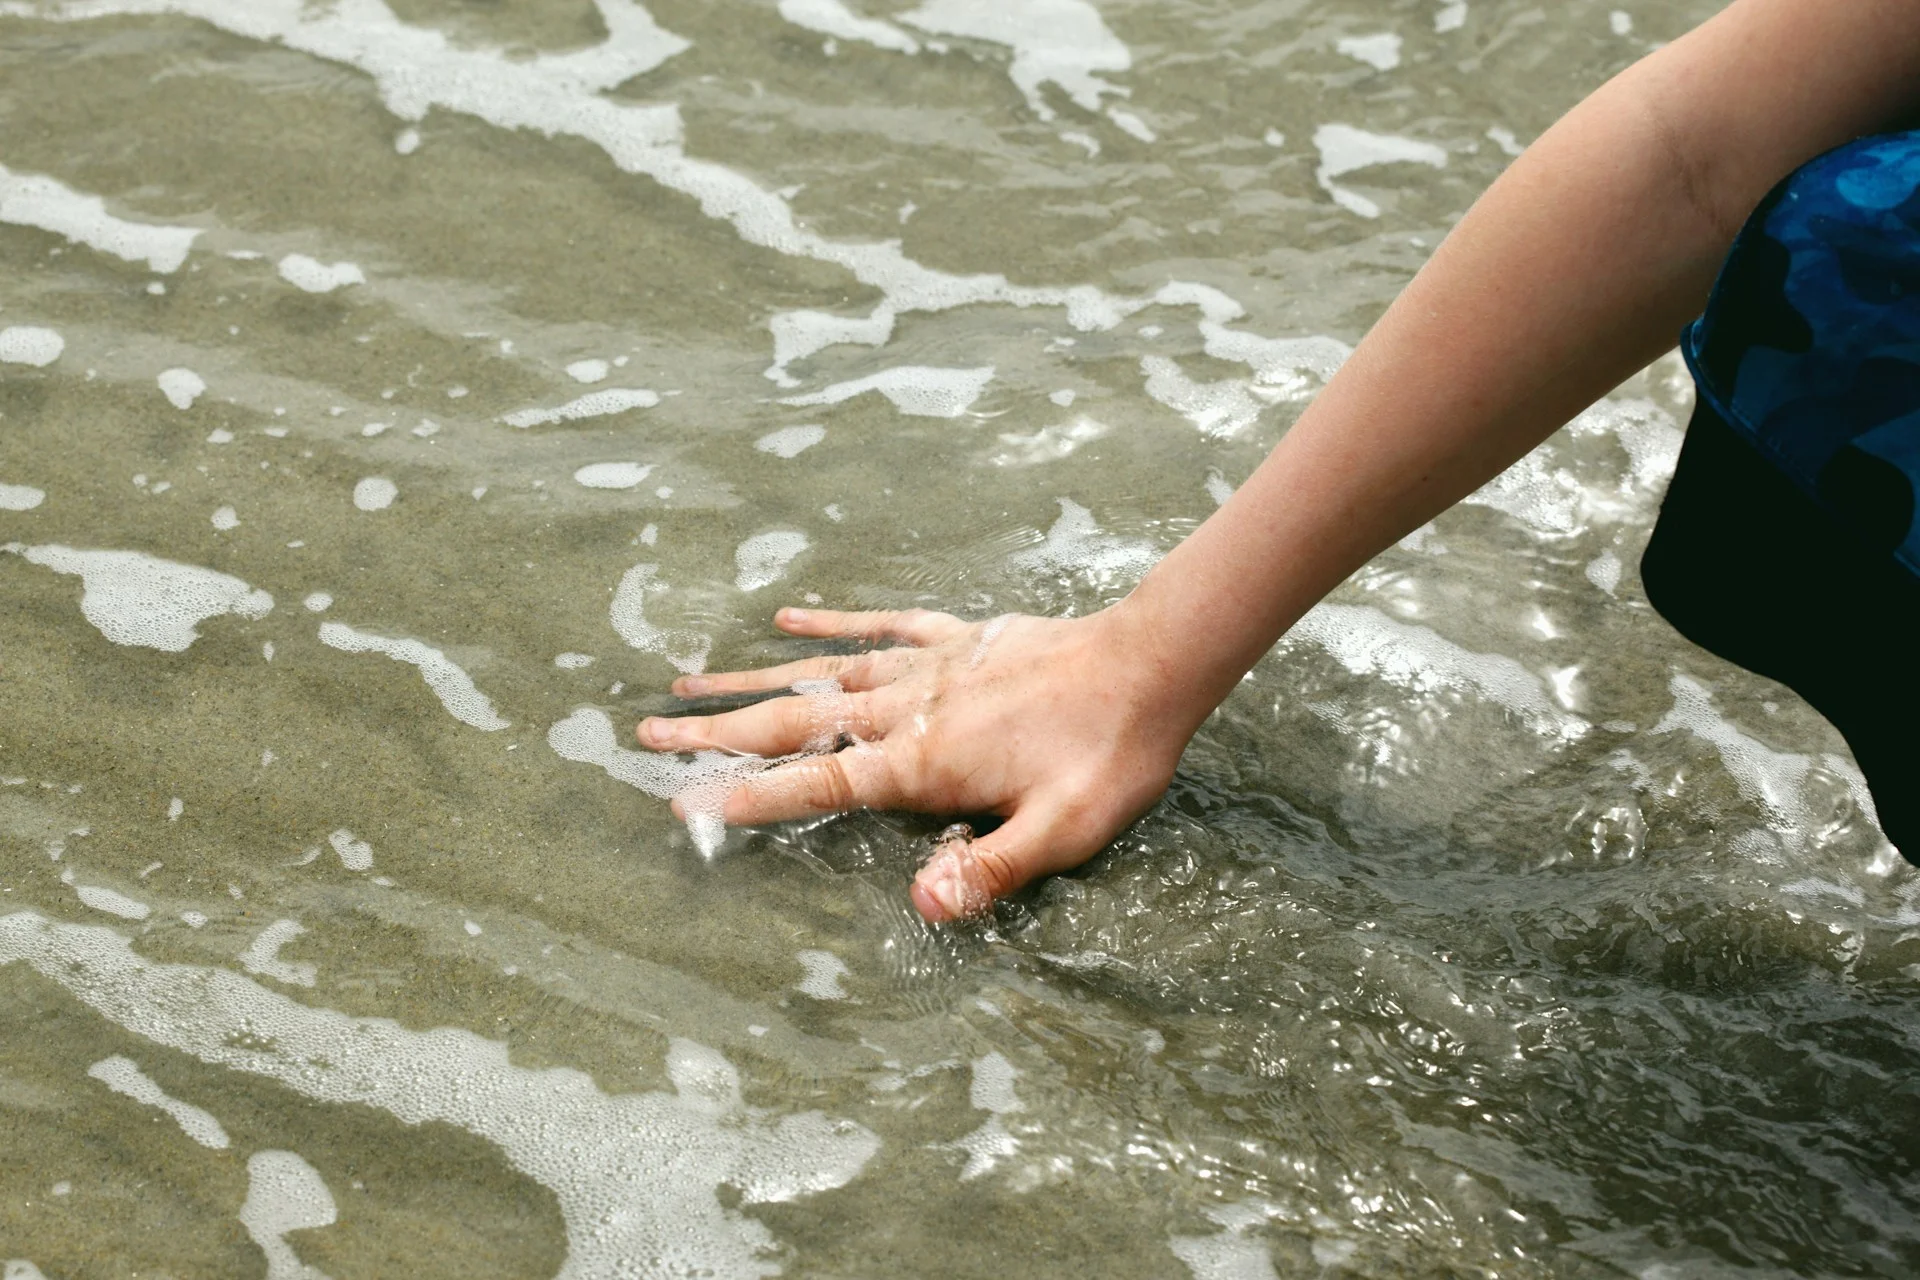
pixel 395 397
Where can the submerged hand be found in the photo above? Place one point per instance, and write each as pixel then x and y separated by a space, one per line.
pixel 1050 724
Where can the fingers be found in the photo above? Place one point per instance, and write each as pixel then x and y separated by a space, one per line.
pixel 920 627
pixel 855 672
pixel 777 727
pixel 963 878
pixel 856 778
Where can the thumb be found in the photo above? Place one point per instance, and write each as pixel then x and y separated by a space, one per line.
pixel 964 877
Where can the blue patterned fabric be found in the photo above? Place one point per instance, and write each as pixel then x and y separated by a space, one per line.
pixel 1810 344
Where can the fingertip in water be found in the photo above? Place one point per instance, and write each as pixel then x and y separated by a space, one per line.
pixel 692 686
pixel 927 905
pixel 791 618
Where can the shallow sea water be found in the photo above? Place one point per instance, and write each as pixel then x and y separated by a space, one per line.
pixel 446 371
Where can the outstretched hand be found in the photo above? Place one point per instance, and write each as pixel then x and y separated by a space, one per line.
pixel 1053 725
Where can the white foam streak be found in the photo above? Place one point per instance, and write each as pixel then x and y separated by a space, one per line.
pixel 686 650
pixel 181 387
pixel 595 404
pixel 1059 42
pixel 30 345
pixel 763 559
pixel 1076 545
pixel 635 1175
pixel 791 442
pixel 453 686
pixel 284 1193
pixel 701 784
pixel 1368 642
pixel 313 276
pixel 916 390
pixel 20 497
pixel 137 599
pixel 1775 780
pixel 33 200
pixel 114 904
pixel 612 475
pixel 417 69
pixel 262 955
pixel 832 18
pixel 123 1076
pixel 1345 149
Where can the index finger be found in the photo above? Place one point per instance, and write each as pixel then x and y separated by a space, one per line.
pixel 920 627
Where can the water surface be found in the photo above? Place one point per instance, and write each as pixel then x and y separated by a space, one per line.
pixel 385 386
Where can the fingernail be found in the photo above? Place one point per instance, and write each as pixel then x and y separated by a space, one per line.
pixel 695 684
pixel 942 882
pixel 795 615
pixel 656 731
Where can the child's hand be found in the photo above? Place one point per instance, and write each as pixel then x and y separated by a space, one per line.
pixel 1050 724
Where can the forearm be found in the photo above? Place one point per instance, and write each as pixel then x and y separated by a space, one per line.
pixel 1577 267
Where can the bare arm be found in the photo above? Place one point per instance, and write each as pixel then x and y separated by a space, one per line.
pixel 1576 268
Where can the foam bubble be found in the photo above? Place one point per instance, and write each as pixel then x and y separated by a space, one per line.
pixel 225 518
pixel 262 955
pixel 1604 571
pixel 20 497
pixel 1234 1255
pixel 595 404
pixel 355 855
pixel 375 493
pixel 572 661
pixel 1450 17
pixel 181 387
pixel 302 272
pixel 30 345
pixel 454 687
pixel 588 371
pixel 318 602
pixel 21 1269
pixel 613 475
pixel 114 904
pixel 1620 22
pixel 790 442
pixel 763 558
pixel 137 599
pixel 123 1076
pixel 31 200
pixel 700 784
pixel 917 390
pixel 821 979
pixel 991 1091
pixel 1345 149
pixel 284 1194
pixel 1381 52
pixel 686 650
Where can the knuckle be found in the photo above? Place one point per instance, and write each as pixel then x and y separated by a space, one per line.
pixel 828 789
pixel 995 870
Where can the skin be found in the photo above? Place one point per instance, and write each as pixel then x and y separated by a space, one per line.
pixel 1576 268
